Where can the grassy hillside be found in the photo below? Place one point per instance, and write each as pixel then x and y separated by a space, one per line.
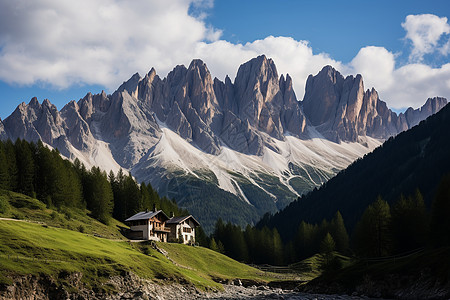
pixel 312 267
pixel 29 248
pixel 18 206
pixel 45 241
pixel 210 264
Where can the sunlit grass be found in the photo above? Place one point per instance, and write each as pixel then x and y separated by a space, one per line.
pixel 47 241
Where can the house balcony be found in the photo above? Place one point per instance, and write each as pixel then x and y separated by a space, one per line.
pixel 161 229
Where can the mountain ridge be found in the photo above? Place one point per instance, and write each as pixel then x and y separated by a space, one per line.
pixel 255 121
pixel 414 159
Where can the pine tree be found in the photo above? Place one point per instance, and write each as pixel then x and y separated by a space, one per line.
pixel 220 247
pixel 219 230
pixel 46 175
pixel 112 178
pixel 213 245
pixel 120 211
pixel 77 165
pixel 327 245
pixel 11 159
pixel 66 185
pixel 339 232
pixel 234 243
pixel 265 245
pixel 250 239
pixel 277 255
pixel 132 194
pixel 145 198
pixel 4 176
pixel 373 232
pixel 98 194
pixel 25 164
pixel 303 243
pixel 72 182
pixel 410 223
pixel 440 220
pixel 200 237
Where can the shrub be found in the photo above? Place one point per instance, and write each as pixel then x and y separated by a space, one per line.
pixel 54 215
pixel 4 205
pixel 81 228
pixel 68 215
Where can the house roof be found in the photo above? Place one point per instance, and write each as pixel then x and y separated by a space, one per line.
pixel 145 215
pixel 178 220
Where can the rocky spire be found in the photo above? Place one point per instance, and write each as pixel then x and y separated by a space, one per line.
pixel 341 110
pixel 258 95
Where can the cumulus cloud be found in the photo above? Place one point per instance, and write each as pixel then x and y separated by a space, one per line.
pixel 425 31
pixel 414 83
pixel 95 42
pixel 408 85
pixel 376 64
pixel 65 43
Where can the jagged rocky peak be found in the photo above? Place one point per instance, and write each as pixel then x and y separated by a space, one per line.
pixel 78 131
pixel 93 103
pixel 210 113
pixel 199 87
pixel 292 117
pixel 258 95
pixel 51 111
pixel 34 103
pixel 131 85
pixel 149 87
pixel 225 95
pixel 341 110
pixel 256 82
pixel 188 94
pixel 199 66
pixel 322 95
pixel 35 122
pixel 431 106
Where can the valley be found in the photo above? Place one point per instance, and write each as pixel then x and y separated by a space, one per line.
pixel 226 150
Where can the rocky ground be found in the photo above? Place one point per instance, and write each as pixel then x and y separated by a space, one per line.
pixel 132 287
pixel 230 292
pixel 264 292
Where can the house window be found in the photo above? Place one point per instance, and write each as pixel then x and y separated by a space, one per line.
pixel 187 230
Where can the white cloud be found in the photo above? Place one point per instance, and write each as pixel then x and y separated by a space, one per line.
pixel 376 64
pixel 409 85
pixel 104 42
pixel 100 42
pixel 414 83
pixel 424 31
pixel 445 49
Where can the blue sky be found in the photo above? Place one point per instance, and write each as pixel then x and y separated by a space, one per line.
pixel 339 28
pixel 61 51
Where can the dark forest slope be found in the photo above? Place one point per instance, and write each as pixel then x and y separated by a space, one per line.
pixel 417 158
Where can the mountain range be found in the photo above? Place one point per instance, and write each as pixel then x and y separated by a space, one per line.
pixel 225 149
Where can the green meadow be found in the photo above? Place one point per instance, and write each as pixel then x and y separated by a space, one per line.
pixel 46 241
